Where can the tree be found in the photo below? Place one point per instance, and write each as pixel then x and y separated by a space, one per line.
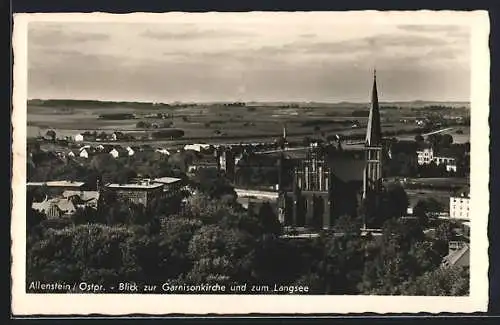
pixel 378 207
pixel 446 140
pixel 221 254
pixel 173 259
pixel 91 253
pixel 87 215
pixel 439 282
pixel 341 266
pixel 51 134
pixel 268 219
pixel 419 138
pixel 348 224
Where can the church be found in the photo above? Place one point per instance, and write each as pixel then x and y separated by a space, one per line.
pixel 331 182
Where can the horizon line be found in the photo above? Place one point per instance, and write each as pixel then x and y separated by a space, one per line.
pixel 247 101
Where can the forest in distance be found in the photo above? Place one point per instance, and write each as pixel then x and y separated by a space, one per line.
pixel 208 237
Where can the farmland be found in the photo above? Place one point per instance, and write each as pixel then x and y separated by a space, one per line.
pixel 216 121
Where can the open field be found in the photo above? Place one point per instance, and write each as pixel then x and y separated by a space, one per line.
pixel 214 121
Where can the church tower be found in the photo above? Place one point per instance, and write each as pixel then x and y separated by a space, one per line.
pixel 373 146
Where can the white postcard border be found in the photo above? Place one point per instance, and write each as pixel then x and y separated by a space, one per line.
pixel 118 304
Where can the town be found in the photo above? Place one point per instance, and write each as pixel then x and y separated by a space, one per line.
pixel 276 202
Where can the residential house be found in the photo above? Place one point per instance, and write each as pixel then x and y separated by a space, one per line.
pixel 79 137
pixel 55 208
pixel 196 147
pixel 86 152
pixel 130 151
pixel 104 148
pixel 162 151
pixel 116 136
pixel 118 152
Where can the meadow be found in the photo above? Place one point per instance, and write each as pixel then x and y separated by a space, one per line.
pixel 214 121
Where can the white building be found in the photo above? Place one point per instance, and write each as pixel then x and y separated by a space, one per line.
pixel 449 162
pixel 78 137
pixel 84 153
pixel 114 153
pixel 196 147
pixel 130 151
pixel 460 207
pixel 425 156
pixel 162 151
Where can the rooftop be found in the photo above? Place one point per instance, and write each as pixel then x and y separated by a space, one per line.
pixel 166 180
pixel 460 257
pixel 135 186
pixel 57 184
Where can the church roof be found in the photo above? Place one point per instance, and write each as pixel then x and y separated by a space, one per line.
pixel 347 165
pixel 373 129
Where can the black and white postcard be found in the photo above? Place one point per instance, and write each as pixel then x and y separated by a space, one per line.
pixel 253 162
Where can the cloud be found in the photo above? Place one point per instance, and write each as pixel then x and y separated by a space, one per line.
pixel 430 28
pixel 193 34
pixel 179 61
pixel 56 35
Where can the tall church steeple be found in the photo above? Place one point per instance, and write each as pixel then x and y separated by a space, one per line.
pixel 373 146
pixel 373 130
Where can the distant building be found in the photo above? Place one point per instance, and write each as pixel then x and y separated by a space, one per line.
pixel 106 148
pixel 460 207
pixel 84 153
pixel 446 158
pixel 118 152
pixel 196 147
pixel 130 151
pixel 162 151
pixel 425 155
pixel 79 137
pixel 116 136
pixel 171 185
pixel 138 193
pixel 206 162
pixel 227 162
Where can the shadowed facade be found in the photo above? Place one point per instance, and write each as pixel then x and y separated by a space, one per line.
pixel 331 182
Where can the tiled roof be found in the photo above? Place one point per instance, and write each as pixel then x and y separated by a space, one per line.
pixel 460 257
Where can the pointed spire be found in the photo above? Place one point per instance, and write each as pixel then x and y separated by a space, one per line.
pixel 373 130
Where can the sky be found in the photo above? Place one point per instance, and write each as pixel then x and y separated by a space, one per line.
pixel 248 58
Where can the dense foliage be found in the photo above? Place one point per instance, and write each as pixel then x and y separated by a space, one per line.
pixel 209 237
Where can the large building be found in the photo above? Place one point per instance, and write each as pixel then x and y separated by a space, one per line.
pixel 142 193
pixel 330 181
pixel 460 206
